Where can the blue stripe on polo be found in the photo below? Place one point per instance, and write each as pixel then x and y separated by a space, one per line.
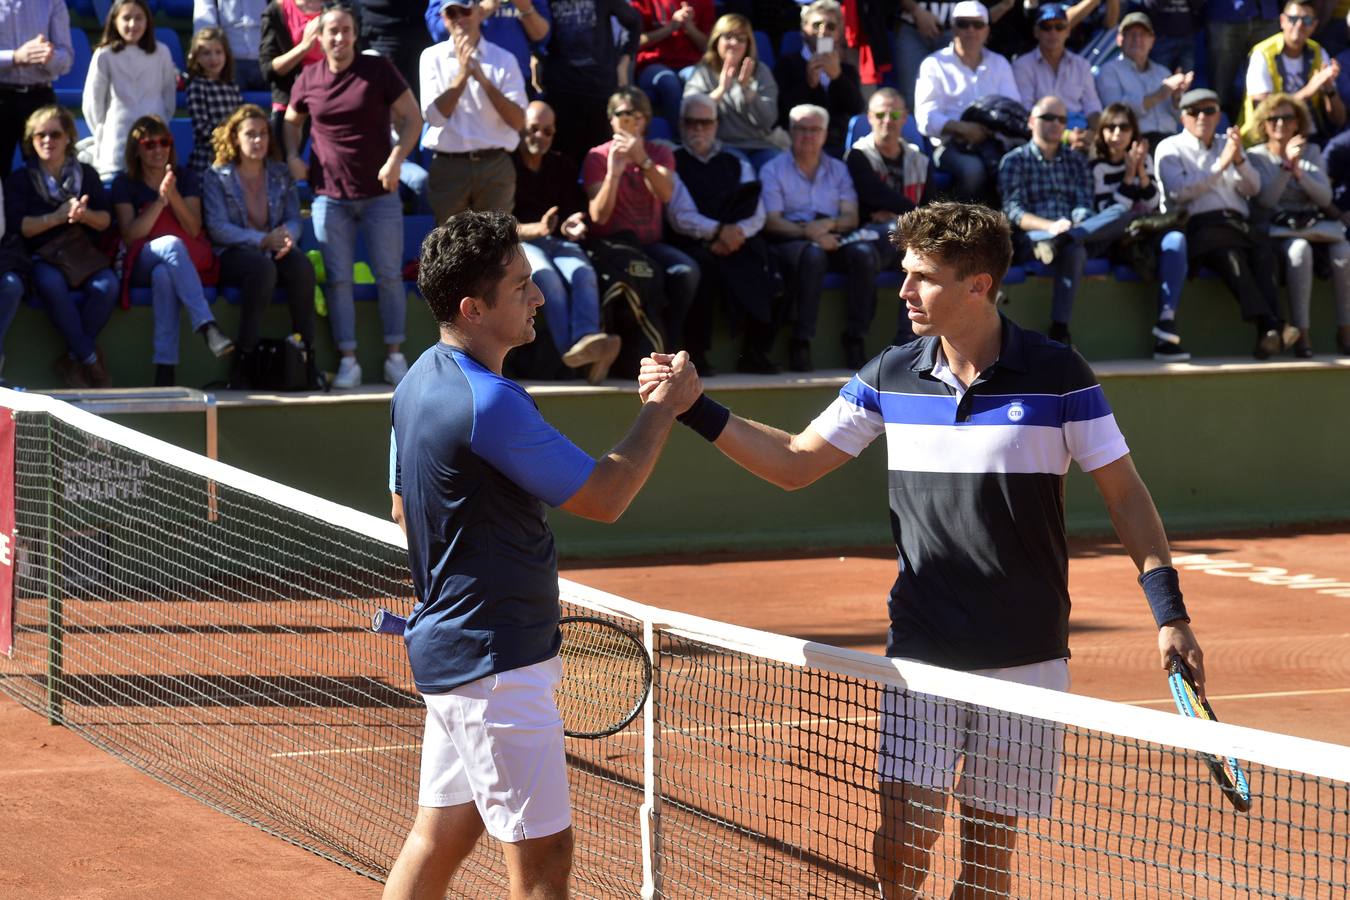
pixel 861 394
pixel 1041 410
pixel 1085 404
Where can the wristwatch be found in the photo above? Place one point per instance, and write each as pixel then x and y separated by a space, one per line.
pixel 646 164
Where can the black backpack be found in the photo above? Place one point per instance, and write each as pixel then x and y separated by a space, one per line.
pixel 283 364
pixel 632 298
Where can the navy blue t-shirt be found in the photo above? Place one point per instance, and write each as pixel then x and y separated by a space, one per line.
pixel 475 464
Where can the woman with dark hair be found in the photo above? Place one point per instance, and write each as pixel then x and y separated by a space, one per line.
pixel 1295 190
pixel 290 41
pixel 253 216
pixel 1122 177
pixel 130 76
pixel 59 207
pixel 743 89
pixel 159 211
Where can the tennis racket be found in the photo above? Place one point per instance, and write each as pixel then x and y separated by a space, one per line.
pixel 1226 770
pixel 606 673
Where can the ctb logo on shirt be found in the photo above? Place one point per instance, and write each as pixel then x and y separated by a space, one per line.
pixel 1016 411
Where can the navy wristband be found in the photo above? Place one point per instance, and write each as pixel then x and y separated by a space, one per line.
pixel 706 416
pixel 1162 589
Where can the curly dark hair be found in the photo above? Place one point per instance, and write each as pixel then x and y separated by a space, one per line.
pixel 465 257
pixel 969 237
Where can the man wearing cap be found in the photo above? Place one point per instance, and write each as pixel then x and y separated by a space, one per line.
pixel 473 98
pixel 1047 197
pixel 949 81
pixel 1211 177
pixel 34 51
pixel 1051 69
pixel 518 26
pixel 1293 63
pixel 1145 86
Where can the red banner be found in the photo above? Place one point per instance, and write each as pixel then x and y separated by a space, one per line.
pixel 7 551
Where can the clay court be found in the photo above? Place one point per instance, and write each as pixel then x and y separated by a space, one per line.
pixel 1272 611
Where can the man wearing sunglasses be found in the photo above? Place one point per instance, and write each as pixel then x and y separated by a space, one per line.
pixel 951 80
pixel 1053 70
pixel 1293 63
pixel 473 98
pixel 1047 197
pixel 819 75
pixel 1210 176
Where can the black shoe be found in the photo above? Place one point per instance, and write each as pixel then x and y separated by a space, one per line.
pixel 799 356
pixel 1268 343
pixel 700 361
pixel 755 362
pixel 1302 347
pixel 1059 331
pixel 854 355
pixel 164 375
pixel 1165 351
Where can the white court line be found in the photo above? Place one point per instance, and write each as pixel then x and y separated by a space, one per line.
pixel 1261 696
pixel 301 753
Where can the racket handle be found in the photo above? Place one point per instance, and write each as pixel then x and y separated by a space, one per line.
pixel 385 622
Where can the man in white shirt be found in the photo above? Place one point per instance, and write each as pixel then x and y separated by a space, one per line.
pixel 473 98
pixel 1052 70
pixel 949 81
pixel 1211 177
pixel 1293 63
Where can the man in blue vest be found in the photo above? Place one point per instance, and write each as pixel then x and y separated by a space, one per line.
pixel 474 467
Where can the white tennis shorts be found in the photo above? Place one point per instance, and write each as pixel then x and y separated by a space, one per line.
pixel 498 742
pixel 1011 763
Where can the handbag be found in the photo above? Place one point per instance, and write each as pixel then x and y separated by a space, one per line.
pixel 1145 227
pixel 73 255
pixel 1307 224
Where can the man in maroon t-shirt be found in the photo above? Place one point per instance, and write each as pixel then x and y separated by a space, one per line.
pixel 351 100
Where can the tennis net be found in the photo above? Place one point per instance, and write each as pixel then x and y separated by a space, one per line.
pixel 209 627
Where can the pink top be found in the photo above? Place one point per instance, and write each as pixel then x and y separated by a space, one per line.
pixel 636 209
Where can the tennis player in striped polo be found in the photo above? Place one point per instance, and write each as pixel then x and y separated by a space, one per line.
pixel 982 419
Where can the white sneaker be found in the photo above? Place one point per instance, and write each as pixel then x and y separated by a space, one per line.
pixel 348 373
pixel 395 367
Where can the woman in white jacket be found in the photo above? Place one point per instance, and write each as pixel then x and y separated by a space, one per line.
pixel 131 75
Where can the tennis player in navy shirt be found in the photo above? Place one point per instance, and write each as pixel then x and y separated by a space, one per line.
pixel 474 468
pixel 982 420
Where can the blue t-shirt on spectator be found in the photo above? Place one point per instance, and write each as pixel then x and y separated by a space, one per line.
pixel 475 464
pixel 136 192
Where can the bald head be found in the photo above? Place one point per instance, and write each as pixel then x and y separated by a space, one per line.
pixel 540 126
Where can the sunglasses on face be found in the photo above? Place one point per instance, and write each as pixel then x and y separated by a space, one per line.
pixel 458 12
pixel 1051 117
pixel 48 135
pixel 1199 111
pixel 544 130
pixel 155 143
pixel 822 26
pixel 970 24
pixel 893 115
pixel 1117 126
pixel 1282 118
pixel 1309 21
pixel 1053 26
pixel 626 113
pixel 699 123
pixel 733 38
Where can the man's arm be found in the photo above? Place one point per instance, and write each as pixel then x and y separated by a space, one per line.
pixel 1140 530
pixel 292 131
pixel 621 473
pixel 396 511
pixel 790 461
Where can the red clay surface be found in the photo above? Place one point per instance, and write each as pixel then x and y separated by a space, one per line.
pixel 79 823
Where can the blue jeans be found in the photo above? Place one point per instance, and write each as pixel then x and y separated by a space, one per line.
pixel 380 220
pixel 680 282
pixel 1093 233
pixel 11 292
pixel 564 276
pixel 665 87
pixel 412 188
pixel 910 50
pixel 164 265
pixel 1172 269
pixel 77 326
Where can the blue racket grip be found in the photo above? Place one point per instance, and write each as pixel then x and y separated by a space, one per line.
pixel 385 622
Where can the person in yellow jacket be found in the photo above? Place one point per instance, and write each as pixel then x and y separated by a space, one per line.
pixel 1293 63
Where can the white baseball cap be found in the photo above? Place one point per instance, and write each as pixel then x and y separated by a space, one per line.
pixel 970 9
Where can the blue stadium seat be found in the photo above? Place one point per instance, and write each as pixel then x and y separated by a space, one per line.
pixel 70 86
pixel 658 129
pixel 175 9
pixel 82 8
pixel 183 139
pixel 259 98
pixel 790 43
pixel 764 47
pixel 858 127
pixel 415 230
pixel 169 38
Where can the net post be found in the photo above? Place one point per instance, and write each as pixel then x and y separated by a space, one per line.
pixel 212 452
pixel 648 815
pixel 55 613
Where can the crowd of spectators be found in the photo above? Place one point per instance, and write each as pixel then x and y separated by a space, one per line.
pixel 741 181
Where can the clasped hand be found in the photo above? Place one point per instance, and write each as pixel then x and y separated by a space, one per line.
pixel 669 378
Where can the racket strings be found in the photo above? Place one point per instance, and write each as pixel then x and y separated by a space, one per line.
pixel 606 675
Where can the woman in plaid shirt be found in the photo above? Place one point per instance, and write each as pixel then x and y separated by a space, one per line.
pixel 211 92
